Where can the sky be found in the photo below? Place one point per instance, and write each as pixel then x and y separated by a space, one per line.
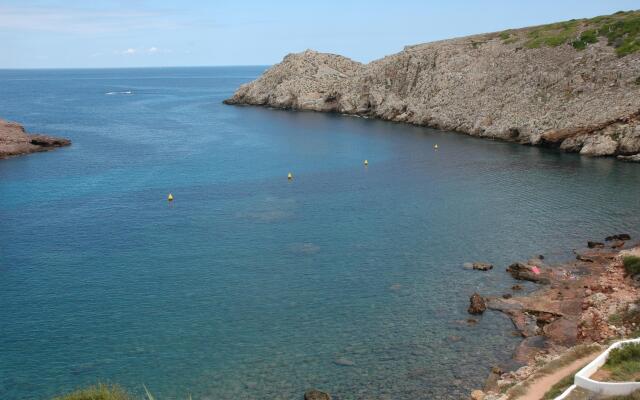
pixel 145 33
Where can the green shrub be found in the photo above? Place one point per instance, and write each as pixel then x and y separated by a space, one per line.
pixel 631 265
pixel 579 44
pixel 624 362
pixel 624 353
pixel 97 392
pixel 622 31
pixel 638 80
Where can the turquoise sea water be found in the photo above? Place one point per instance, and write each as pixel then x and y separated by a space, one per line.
pixel 249 286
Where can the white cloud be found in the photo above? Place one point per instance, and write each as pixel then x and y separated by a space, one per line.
pixel 84 21
pixel 142 50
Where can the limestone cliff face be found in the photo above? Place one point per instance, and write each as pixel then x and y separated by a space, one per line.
pixel 585 101
pixel 14 140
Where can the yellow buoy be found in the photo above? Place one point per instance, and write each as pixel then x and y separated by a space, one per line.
pixel 366 162
pixel 435 146
pixel 170 197
pixel 290 176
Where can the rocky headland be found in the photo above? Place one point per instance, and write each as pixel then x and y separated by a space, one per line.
pixel 14 140
pixel 590 300
pixel 572 85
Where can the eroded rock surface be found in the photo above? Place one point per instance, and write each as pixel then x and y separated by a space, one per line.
pixel 14 140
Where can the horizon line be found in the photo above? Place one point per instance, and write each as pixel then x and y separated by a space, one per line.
pixel 137 67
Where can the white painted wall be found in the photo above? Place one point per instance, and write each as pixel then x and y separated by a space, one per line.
pixel 583 380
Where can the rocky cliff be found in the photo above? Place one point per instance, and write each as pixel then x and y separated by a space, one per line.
pixel 14 140
pixel 573 85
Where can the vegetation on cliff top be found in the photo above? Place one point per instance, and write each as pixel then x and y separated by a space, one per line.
pixel 622 31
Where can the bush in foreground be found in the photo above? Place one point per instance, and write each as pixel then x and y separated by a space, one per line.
pixel 97 392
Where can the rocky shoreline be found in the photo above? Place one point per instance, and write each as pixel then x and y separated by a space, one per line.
pixel 589 300
pixel 531 86
pixel 14 140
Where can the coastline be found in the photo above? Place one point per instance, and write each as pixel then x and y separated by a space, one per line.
pixel 577 97
pixel 15 141
pixel 590 300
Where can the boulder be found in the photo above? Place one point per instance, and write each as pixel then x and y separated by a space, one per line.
pixel 563 331
pixel 477 395
pixel 476 304
pixel 482 266
pixel 526 273
pixel 314 394
pixel 595 245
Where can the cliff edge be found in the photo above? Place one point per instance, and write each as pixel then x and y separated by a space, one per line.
pixel 574 85
pixel 14 140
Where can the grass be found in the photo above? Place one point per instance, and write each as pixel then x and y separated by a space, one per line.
pixel 631 264
pixel 505 35
pixel 104 392
pixel 97 392
pixel 552 35
pixel 621 30
pixel 624 363
pixel 633 396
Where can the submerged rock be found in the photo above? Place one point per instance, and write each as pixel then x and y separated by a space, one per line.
pixel 314 394
pixel 344 362
pixel 476 304
pixel 480 266
pixel 595 245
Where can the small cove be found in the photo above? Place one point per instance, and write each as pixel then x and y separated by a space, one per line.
pixel 248 285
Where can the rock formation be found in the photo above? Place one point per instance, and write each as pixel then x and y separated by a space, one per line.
pixel 476 304
pixel 14 140
pixel 572 85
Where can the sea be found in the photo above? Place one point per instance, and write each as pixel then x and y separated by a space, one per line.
pixel 249 285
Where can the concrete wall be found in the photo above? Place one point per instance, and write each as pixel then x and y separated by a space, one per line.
pixel 583 380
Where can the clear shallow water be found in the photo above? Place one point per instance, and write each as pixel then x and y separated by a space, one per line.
pixel 249 286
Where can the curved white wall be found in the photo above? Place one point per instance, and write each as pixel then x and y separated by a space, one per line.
pixel 605 388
